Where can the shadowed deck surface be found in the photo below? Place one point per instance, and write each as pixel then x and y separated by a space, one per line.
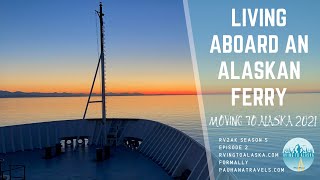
pixel 80 163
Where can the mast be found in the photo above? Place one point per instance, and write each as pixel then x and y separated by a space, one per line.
pixel 103 88
pixel 101 63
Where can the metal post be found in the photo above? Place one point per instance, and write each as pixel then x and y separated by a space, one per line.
pixel 102 66
pixel 101 62
pixel 103 88
pixel 94 80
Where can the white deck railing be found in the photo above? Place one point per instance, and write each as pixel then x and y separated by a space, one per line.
pixel 173 150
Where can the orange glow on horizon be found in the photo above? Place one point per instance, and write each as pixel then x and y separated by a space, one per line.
pixel 184 90
pixel 126 89
pixel 149 85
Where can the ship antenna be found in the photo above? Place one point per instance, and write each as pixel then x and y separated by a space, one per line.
pixel 101 63
pixel 103 87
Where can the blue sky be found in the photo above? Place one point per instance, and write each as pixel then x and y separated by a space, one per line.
pixel 52 45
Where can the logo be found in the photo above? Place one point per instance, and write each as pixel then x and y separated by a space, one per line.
pixel 298 154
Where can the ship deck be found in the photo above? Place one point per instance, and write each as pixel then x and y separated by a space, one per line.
pixel 80 163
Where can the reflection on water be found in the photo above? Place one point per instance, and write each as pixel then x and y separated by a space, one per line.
pixel 178 111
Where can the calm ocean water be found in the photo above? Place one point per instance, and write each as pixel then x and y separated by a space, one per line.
pixel 182 113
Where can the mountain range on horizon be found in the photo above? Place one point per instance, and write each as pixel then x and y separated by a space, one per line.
pixel 17 94
pixel 8 94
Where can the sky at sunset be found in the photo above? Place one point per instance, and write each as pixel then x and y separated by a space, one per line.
pixel 51 46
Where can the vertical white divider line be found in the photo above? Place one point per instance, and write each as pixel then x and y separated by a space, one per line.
pixel 198 88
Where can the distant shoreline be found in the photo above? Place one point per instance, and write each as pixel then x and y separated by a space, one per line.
pixel 19 94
